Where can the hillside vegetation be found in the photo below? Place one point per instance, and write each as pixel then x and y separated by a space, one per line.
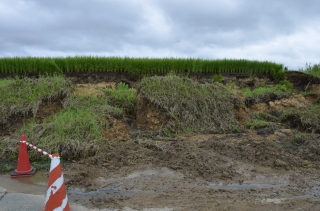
pixel 54 117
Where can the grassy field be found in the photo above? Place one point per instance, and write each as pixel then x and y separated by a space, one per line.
pixel 57 65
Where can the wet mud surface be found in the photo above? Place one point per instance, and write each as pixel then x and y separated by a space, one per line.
pixel 188 174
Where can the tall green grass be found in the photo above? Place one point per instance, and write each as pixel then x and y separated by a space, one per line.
pixel 138 65
pixel 312 69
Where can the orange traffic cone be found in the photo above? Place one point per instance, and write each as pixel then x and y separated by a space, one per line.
pixel 23 167
pixel 56 197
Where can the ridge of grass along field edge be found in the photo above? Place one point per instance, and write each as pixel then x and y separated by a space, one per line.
pixel 56 65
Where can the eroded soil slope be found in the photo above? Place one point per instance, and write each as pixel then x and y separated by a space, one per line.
pixel 249 170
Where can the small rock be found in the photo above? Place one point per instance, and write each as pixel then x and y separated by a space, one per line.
pixel 84 174
pixel 119 164
pixel 265 131
pixel 225 174
pixel 287 132
pixel 271 104
pixel 271 138
pixel 105 164
pixel 280 135
pixel 280 163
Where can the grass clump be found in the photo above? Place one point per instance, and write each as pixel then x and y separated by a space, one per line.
pixel 265 94
pixel 267 117
pixel 122 97
pixel 191 106
pixel 258 123
pixel 300 138
pixel 282 87
pixel 25 95
pixel 306 119
pixel 5 82
pixel 75 132
pixel 217 78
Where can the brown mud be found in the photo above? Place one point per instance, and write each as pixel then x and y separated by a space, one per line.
pixel 251 170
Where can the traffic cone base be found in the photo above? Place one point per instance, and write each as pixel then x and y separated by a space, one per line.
pixel 23 166
pixel 17 174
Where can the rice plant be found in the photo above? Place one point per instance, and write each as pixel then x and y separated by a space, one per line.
pixel 55 65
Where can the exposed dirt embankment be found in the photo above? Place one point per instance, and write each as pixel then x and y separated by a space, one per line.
pixel 301 80
pixel 294 101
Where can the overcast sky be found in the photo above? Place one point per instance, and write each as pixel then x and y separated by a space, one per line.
pixel 282 31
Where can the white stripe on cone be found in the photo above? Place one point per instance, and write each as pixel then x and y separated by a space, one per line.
pixel 55 161
pixel 54 187
pixel 63 205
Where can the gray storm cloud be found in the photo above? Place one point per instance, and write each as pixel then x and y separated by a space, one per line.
pixel 281 31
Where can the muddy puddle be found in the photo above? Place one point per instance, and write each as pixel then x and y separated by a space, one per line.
pixel 36 184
